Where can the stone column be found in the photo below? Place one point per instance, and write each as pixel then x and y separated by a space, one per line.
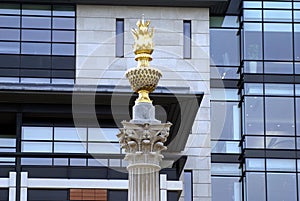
pixel 143 137
pixel 143 140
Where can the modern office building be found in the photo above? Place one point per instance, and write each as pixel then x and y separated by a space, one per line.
pixel 230 86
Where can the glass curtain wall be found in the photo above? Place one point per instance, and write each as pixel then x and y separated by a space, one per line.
pixel 225 110
pixel 37 43
pixel 270 99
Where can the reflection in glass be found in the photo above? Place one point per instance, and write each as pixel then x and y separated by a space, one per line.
pixel 278 15
pixel 278 37
pixel 187 39
pixel 9 8
pixel 278 67
pixel 36 22
pixel 297 42
pixel 9 34
pixel 225 120
pixel 34 9
pixel 112 148
pixel 77 162
pixel 279 116
pixel 253 66
pixel 63 49
pixel 255 186
pixel 229 53
pixel 252 4
pixel 253 41
pixel 298 113
pixel 253 142
pixel 10 47
pixel 36 35
pixel 253 89
pixel 63 36
pixel 35 80
pixel 36 161
pixel 97 162
pixel 224 94
pixel 69 147
pixel 188 186
pixel 63 10
pixel 63 23
pixel 9 21
pixel 225 169
pixel 103 134
pixel 252 15
pixel 36 48
pixel 297 16
pixel 62 81
pixel 120 37
pixel 7 142
pixel 223 21
pixel 279 89
pixel 224 73
pixel 70 134
pixel 297 68
pixel 61 161
pixel 37 133
pixel 280 142
pixel 225 147
pixel 37 147
pixel 255 164
pixel 9 79
pixel 281 165
pixel 278 5
pixel 281 186
pixel 254 115
pixel 226 189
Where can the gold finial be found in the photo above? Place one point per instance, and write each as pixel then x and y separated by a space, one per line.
pixel 144 78
pixel 143 42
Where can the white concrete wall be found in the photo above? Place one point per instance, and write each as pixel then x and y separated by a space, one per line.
pixel 97 64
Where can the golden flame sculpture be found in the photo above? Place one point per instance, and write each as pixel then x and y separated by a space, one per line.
pixel 143 79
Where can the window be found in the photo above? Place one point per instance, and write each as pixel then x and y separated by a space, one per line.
pixel 225 120
pixel 188 186
pixel 254 116
pixel 279 120
pixel 297 42
pixel 255 186
pixel 63 140
pixel 187 39
pixel 34 32
pixel 228 55
pixel 226 189
pixel 281 186
pixel 298 114
pixel 119 37
pixel 253 41
pixel 278 37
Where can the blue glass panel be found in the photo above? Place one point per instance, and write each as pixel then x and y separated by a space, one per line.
pixel 36 22
pixel 37 133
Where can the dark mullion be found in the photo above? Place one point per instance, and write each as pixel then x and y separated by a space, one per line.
pixel 18 158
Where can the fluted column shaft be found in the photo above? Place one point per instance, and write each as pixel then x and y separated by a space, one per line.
pixel 143 183
pixel 143 144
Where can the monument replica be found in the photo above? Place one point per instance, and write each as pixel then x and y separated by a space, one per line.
pixel 143 137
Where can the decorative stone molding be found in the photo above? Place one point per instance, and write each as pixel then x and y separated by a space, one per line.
pixel 143 143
